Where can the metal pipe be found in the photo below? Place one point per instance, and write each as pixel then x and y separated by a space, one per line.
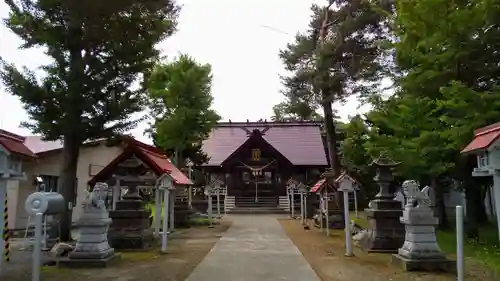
pixel 210 210
pixel 326 215
pixel 356 204
pixel 302 207
pixel 190 188
pixel 172 210
pixel 460 242
pixel 164 237
pixel 305 208
pixel 37 249
pixel 256 198
pixel 348 246
pixel 321 209
pixel 218 201
pixel 157 220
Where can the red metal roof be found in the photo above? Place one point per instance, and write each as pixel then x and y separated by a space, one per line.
pixel 153 157
pixel 15 144
pixel 483 138
pixel 318 185
pixel 299 142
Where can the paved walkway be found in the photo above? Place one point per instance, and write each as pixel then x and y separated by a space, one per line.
pixel 255 248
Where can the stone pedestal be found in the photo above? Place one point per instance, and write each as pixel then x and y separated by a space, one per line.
pixel 130 228
pixel 181 213
pixel 385 233
pixel 92 248
pixel 420 251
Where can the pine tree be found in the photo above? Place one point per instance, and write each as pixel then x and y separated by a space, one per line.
pixel 338 56
pixel 99 51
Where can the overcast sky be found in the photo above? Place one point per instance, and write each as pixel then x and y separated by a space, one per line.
pixel 240 39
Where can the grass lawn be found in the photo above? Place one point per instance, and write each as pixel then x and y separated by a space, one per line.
pixel 193 221
pixel 486 250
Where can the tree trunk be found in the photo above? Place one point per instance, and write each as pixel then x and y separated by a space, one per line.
pixel 331 138
pixel 70 153
pixel 178 161
pixel 440 204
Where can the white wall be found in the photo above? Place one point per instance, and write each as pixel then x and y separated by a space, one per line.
pixel 50 164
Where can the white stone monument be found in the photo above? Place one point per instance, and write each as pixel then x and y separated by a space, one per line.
pixel 420 251
pixel 92 247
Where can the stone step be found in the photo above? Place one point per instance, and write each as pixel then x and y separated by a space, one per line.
pixel 256 210
pixel 252 200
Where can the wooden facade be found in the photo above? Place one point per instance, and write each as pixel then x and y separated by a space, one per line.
pixel 256 168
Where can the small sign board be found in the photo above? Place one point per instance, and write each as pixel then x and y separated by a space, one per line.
pixel 302 188
pixel 346 183
pixel 166 182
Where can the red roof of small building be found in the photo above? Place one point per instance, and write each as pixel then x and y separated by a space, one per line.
pixel 15 144
pixel 153 157
pixel 299 142
pixel 483 138
pixel 318 185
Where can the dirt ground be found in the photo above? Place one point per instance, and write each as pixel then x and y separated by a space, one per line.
pixel 185 251
pixel 326 257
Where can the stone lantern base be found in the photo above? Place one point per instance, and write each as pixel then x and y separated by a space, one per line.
pixel 92 248
pixel 420 251
pixel 385 233
pixel 131 227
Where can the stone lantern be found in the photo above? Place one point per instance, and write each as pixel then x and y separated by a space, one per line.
pixel 384 177
pixel 386 233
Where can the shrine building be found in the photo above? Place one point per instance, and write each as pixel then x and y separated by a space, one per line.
pixel 255 159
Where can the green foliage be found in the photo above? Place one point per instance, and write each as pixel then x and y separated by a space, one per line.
pixel 449 88
pixel 331 61
pixel 180 95
pixel 446 88
pixel 485 249
pixel 99 51
pixel 295 111
pixel 86 91
pixel 355 157
pixel 346 63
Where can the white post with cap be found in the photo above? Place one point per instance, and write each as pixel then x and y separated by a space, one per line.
pixel 208 192
pixel 166 185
